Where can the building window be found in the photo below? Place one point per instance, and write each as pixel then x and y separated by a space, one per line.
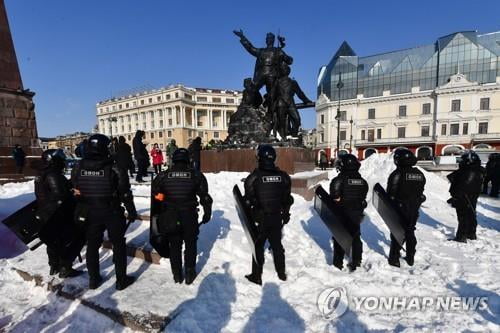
pixel 152 135
pixel 187 96
pixel 136 117
pixel 160 113
pixel 216 99
pixel 401 132
pixel 134 104
pixel 176 95
pixel 322 139
pixel 158 98
pixel 443 129
pixel 169 112
pixel 322 121
pixel 484 103
pixel 142 102
pixel 143 116
pixel 216 135
pixel 454 129
pixel 379 133
pixel 201 99
pixel 119 107
pixel 128 118
pixel 362 134
pixel 127 105
pixel 424 131
pixel 167 96
pixel 150 100
pixel 170 122
pixel 160 134
pixel 129 137
pixel 143 126
pixel 371 135
pixel 343 135
pixel 161 123
pixel 426 108
pixel 200 134
pixel 169 134
pixel 455 105
pixel 371 113
pixel 152 124
pixel 130 128
pixel 483 128
pixel 230 100
pixel 465 128
pixel 114 107
pixel 402 111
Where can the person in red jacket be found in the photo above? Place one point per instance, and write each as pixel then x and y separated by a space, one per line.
pixel 157 156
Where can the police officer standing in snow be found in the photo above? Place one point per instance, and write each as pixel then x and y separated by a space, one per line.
pixel 268 193
pixel 406 187
pixel 466 183
pixel 55 211
pixel 348 190
pixel 176 190
pixel 101 189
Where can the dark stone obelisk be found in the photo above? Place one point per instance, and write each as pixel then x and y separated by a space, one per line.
pixel 17 110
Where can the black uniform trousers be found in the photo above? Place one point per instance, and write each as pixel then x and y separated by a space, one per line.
pixel 410 212
pixel 269 229
pixel 112 220
pixel 187 233
pixel 466 214
pixel 354 228
pixel 63 240
pixel 495 187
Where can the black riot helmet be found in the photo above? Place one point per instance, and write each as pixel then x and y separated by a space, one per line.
pixel 97 146
pixel 54 157
pixel 180 155
pixel 404 157
pixel 347 162
pixel 469 158
pixel 266 155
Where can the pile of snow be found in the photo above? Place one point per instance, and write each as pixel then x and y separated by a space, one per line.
pixel 221 299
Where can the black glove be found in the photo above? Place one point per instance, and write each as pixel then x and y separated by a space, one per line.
pixel 207 215
pixel 285 217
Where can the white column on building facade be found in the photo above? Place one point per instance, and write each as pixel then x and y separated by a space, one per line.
pixel 209 115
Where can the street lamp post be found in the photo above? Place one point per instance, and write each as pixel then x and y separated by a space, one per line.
pixel 350 141
pixel 340 85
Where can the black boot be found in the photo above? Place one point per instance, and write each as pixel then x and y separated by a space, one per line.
pixel 68 272
pixel 353 265
pixel 124 282
pixel 178 278
pixel 282 275
pixel 459 239
pixel 410 259
pixel 190 275
pixel 255 278
pixel 95 282
pixel 54 270
pixel 472 237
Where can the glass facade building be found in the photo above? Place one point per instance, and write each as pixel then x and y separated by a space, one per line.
pixel 474 55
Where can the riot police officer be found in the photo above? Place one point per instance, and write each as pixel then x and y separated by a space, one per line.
pixel 55 210
pixel 268 194
pixel 176 189
pixel 349 190
pixel 465 187
pixel 101 188
pixel 406 187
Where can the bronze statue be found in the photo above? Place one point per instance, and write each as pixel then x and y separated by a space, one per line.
pixel 256 118
pixel 268 60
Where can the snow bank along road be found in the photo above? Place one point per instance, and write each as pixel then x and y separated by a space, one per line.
pixel 221 299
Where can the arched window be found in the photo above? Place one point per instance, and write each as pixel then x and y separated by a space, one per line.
pixel 370 151
pixel 424 153
pixel 452 150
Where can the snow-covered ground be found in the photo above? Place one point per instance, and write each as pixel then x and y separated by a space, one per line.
pixel 221 299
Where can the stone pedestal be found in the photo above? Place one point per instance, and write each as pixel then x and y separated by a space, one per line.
pixel 291 160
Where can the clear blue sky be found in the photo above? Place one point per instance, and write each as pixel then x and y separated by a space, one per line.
pixel 75 53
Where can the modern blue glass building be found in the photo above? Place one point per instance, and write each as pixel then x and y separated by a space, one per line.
pixel 429 66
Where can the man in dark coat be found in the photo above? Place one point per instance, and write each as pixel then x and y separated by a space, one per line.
pixel 141 156
pixel 492 175
pixel 194 152
pixel 123 156
pixel 465 189
pixel 19 156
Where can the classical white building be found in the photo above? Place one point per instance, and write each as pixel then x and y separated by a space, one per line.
pixel 435 99
pixel 175 112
